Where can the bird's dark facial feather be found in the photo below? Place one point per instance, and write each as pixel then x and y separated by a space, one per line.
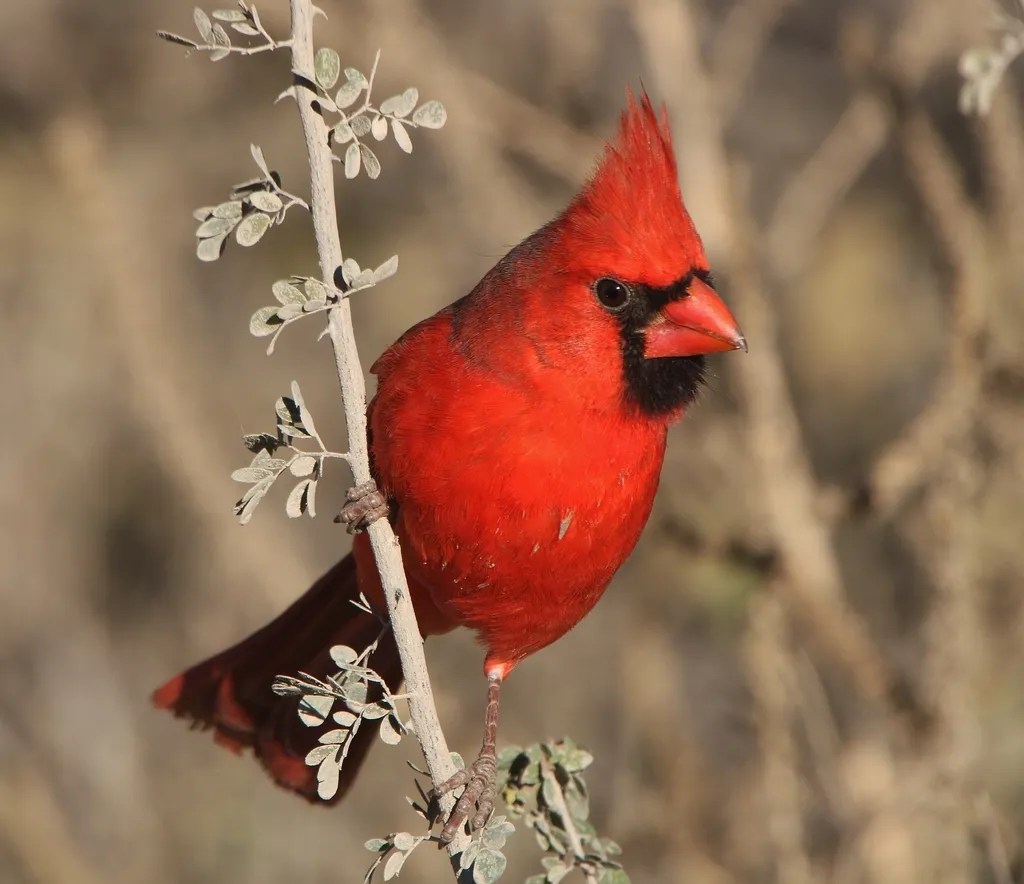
pixel 657 387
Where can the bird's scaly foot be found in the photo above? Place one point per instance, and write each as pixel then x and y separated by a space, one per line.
pixel 477 799
pixel 365 505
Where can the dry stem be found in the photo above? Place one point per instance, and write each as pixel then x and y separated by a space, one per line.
pixel 353 390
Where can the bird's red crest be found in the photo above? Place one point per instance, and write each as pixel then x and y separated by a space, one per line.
pixel 630 214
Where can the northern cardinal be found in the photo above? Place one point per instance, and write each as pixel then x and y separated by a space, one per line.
pixel 518 437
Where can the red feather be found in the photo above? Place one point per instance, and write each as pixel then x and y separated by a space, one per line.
pixel 520 435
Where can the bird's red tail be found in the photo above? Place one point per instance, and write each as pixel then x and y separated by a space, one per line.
pixel 231 692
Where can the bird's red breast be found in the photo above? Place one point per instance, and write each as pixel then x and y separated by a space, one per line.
pixel 520 432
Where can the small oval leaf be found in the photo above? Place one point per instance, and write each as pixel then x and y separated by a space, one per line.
pixel 302 465
pixel 203 25
pixel 343 655
pixel 430 115
pixel 287 293
pixel 215 227
pixel 388 733
pixel 266 201
pixel 212 248
pixel 401 134
pixel 231 209
pixel 343 133
pixel 401 105
pixel 327 66
pixel 295 506
pixel 489 866
pixel 404 841
pixel 251 229
pixel 394 864
pixel 347 94
pixel 370 161
pixel 327 779
pixel 379 128
pixel 260 325
pixel 352 160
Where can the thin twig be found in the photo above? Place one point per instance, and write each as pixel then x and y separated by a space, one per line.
pixel 350 376
pixel 575 844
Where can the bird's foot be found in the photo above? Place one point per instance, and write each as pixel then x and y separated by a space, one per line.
pixel 365 505
pixel 477 799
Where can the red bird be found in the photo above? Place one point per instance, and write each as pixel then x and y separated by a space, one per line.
pixel 518 436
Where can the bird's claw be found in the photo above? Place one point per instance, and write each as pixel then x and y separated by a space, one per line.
pixel 476 801
pixel 365 505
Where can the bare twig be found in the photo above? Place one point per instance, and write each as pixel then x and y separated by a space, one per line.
pixel 353 390
pixel 575 844
pixel 949 508
pixel 772 676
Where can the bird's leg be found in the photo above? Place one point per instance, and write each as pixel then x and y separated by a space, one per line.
pixel 365 505
pixel 479 778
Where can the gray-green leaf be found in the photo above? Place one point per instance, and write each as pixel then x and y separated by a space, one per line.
pixel 203 25
pixel 215 227
pixel 356 76
pixel 327 65
pixel 314 709
pixel 387 269
pixel 370 161
pixel 430 115
pixel 489 866
pixel 404 841
pixel 352 160
pixel 468 855
pixel 347 94
pixel 401 105
pixel 251 229
pixel 260 325
pixel 327 779
pixel 287 293
pixel 318 753
pixel 360 125
pixel 210 249
pixel 344 718
pixel 343 133
pixel 302 465
pixel 388 733
pixel 296 503
pixel 349 270
pixel 401 134
pixel 266 201
pixel 316 290
pixel 231 209
pixel 394 864
pixel 228 15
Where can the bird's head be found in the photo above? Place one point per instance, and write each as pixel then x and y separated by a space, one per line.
pixel 614 293
pixel 630 271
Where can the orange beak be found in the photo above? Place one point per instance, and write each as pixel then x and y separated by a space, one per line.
pixel 692 326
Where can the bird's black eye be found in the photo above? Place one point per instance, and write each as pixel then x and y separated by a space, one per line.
pixel 612 294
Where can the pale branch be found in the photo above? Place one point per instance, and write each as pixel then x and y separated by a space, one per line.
pixel 350 376
pixel 560 806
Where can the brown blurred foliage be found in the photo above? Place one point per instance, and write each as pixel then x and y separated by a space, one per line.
pixel 810 669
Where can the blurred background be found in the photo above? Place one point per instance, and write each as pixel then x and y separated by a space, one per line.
pixel 811 668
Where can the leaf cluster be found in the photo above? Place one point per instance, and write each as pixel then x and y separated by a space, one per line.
pixel 214 37
pixel 544 784
pixel 364 697
pixel 294 422
pixel 249 212
pixel 354 125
